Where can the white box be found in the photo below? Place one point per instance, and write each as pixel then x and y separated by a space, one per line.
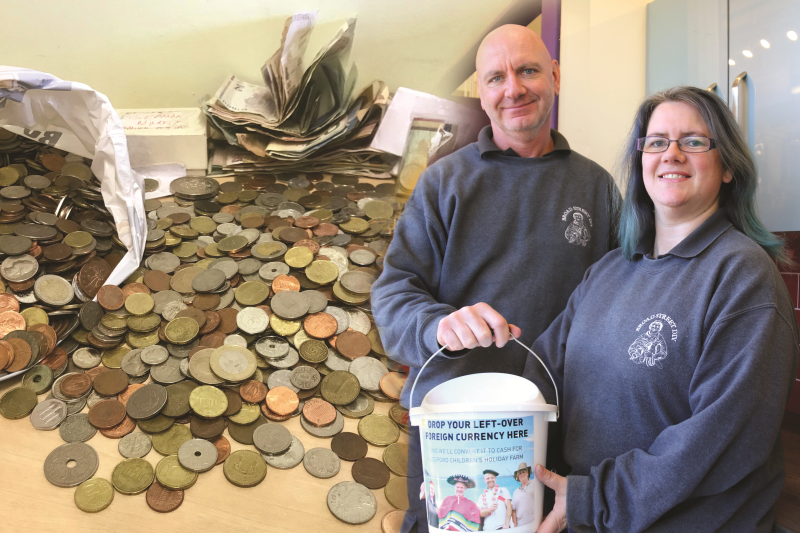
pixel 170 135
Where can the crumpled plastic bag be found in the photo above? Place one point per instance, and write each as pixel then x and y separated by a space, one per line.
pixel 74 117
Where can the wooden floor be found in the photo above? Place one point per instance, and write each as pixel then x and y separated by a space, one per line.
pixel 787 510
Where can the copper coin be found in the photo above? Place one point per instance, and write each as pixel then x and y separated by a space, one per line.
pixel 320 325
pixel 195 314
pixel 212 340
pixel 8 302
pixel 110 383
pixel 227 320
pixel 180 218
pixel 304 394
pixel 162 499
pixel 307 222
pixel 234 402
pixel 96 371
pixel 49 334
pixel 21 286
pixel 92 276
pixel 326 230
pixel 67 226
pixel 252 222
pixel 308 243
pixel 272 415
pixel 253 391
pixel 207 428
pixel 134 288
pixel 53 162
pixel 205 302
pixel 157 280
pixel 212 321
pixel 127 425
pixel 110 297
pixel 353 344
pixel 7 356
pixel 282 401
pixel 318 412
pixel 223 448
pixel 349 446
pixel 285 283
pixel 106 414
pixel 124 395
pixel 392 384
pixel 370 472
pixel 11 321
pixel 76 385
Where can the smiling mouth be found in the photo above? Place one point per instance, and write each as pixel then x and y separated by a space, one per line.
pixel 514 108
pixel 673 176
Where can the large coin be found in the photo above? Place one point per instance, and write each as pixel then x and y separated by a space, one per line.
pixel 371 473
pixel 352 502
pixel 69 465
pixel 194 188
pixel 378 430
pixel 396 492
pixel 94 495
pixel 49 414
pixel 132 476
pixel 53 290
pixel 170 441
pixel 172 475
pixel 197 455
pixel 340 388
pixel 369 372
pixel 134 445
pixel 147 402
pixel 272 439
pixel 18 403
pixel 208 401
pixel 245 468
pixel 349 446
pixel 321 463
pixel 77 428
pixel 233 363
pixel 289 459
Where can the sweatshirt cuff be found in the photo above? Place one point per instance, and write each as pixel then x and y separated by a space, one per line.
pixel 428 344
pixel 579 501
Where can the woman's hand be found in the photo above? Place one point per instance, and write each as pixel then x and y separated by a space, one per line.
pixel 557 519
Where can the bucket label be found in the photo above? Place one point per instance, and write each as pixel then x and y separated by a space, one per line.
pixel 477 472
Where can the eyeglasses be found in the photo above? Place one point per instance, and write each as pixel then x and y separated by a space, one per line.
pixel 693 144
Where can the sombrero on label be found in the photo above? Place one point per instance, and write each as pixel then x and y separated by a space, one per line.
pixel 461 478
pixel 522 466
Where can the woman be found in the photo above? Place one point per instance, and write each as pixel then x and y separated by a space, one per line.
pixel 677 353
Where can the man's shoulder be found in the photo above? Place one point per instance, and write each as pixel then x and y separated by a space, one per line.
pixel 591 169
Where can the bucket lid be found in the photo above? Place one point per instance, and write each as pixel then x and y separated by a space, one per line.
pixel 489 392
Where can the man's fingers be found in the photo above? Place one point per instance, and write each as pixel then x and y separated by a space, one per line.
pixel 495 321
pixel 549 524
pixel 515 330
pixel 479 328
pixel 451 340
pixel 465 335
pixel 546 476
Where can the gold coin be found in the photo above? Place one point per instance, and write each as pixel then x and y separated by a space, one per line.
pixel 248 414
pixel 226 198
pixel 248 196
pixel 299 257
pixel 181 330
pixel 233 363
pixel 295 194
pixel 322 272
pixel 348 297
pixel 322 214
pixel 172 240
pixel 208 401
pixel 396 492
pixel 204 263
pixel 78 239
pixel 268 248
pixel 203 225
pixel 114 322
pixel 132 476
pixel 211 250
pixel 354 225
pixel 80 335
pixel 167 442
pixel 143 324
pixel 375 339
pixel 395 456
pixel 377 209
pixel 113 358
pixel 142 340
pixel 183 231
pixel 139 304
pixel 245 468
pixel 8 176
pixel 164 223
pixel 35 315
pixel 185 249
pixel 378 430
pixel 233 243
pixel 94 495
pixel 172 475
pixel 251 293
pixel 284 327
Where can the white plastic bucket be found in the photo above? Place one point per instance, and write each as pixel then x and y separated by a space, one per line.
pixel 476 423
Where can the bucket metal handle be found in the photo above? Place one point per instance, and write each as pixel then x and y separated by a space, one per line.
pixel 443 348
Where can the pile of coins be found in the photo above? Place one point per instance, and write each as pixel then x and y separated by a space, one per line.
pixel 252 305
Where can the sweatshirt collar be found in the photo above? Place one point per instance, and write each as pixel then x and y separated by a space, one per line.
pixel 487 146
pixel 697 241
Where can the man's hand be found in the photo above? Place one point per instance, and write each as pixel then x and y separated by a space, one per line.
pixel 557 519
pixel 472 326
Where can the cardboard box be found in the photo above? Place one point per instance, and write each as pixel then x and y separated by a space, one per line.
pixel 170 135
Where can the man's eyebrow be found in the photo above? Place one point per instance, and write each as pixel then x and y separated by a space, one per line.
pixel 524 66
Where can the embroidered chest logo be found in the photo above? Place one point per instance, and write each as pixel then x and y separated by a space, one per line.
pixel 577 232
pixel 650 347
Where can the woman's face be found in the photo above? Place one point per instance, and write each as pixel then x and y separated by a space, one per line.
pixel 682 185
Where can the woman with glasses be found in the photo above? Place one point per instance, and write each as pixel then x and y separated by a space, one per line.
pixel 677 353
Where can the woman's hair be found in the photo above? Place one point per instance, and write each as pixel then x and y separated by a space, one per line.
pixel 736 197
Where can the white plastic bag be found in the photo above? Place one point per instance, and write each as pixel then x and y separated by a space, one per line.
pixel 72 116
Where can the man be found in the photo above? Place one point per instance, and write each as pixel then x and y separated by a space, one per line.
pixel 459 513
pixel 494 503
pixel 485 228
pixel 522 501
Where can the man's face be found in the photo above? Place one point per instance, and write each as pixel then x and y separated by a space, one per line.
pixel 517 83
pixel 460 488
pixel 523 476
pixel 489 479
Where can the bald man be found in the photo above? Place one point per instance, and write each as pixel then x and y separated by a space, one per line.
pixel 484 241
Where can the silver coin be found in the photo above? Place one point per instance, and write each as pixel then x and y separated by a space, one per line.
pixel 253 320
pixel 342 318
pixel 153 234
pixel 222 218
pixel 324 432
pixel 225 299
pixel 132 364
pixel 184 366
pixel 317 301
pixel 171 310
pixel 19 268
pixel 228 266
pixel 76 428
pixel 165 262
pixel 336 361
pixel 289 459
pixel 288 361
pixel 272 347
pixel 53 290
pixel 305 377
pixel 369 372
pixel 249 266
pixel 95 398
pixel 270 271
pixel 357 281
pixel 200 368
pixel 154 355
pixel 86 358
pixel 358 320
pixel 134 380
pixel 362 406
pixel 281 378
pixel 147 402
pixel 135 445
pixel 289 305
pixel 272 439
pixel 69 465
pixel 208 280
pixel 352 502
pixel 49 414
pixel 167 372
pixel 162 298
pixel 235 340
pixel 181 351
pixel 197 455
pixel 321 463
pixel 194 188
